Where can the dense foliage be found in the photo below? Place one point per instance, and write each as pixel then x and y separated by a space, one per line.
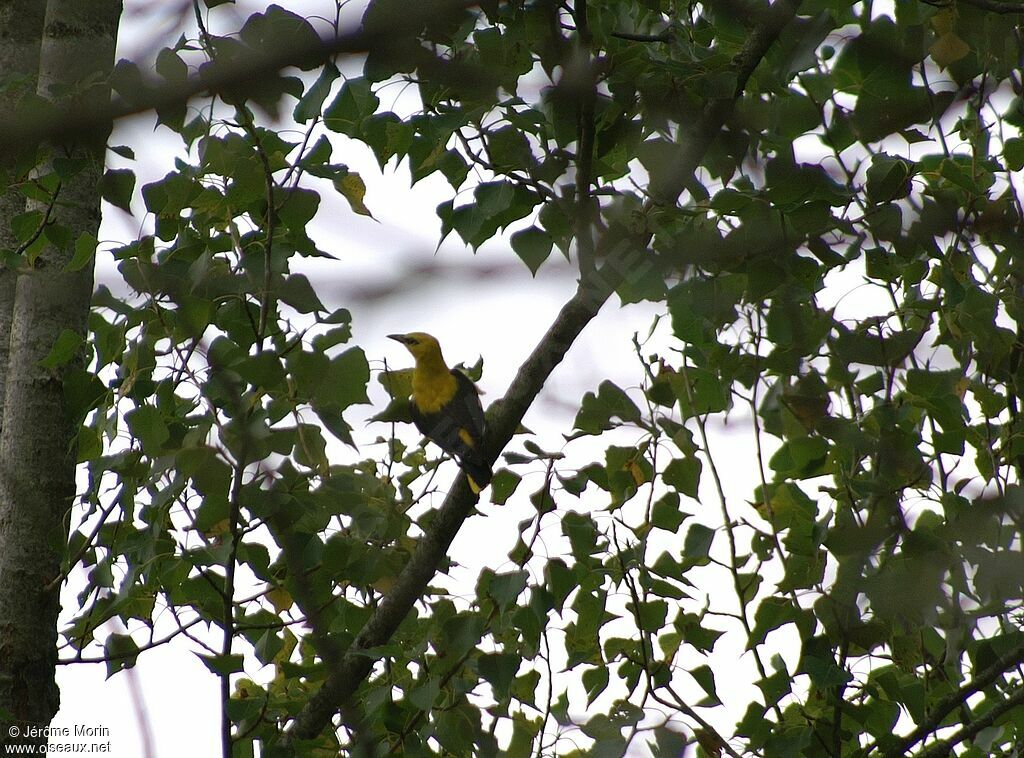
pixel 836 240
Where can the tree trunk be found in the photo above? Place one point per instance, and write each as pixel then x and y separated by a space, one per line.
pixel 21 29
pixel 37 441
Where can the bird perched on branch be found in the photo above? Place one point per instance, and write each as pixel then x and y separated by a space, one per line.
pixel 445 406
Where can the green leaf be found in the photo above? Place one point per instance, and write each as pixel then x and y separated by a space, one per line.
pixel 888 178
pixel 697 545
pixel 499 669
pixel 666 514
pixel 533 246
pixel 63 351
pixel 85 251
pixel 668 741
pixel 26 225
pixel 524 688
pixel 309 106
pixel 873 349
pixel 278 28
pixel 700 306
pixel 299 208
pixel 117 186
pixel 297 292
pixel 542 500
pixel 800 458
pixel 597 411
pixel 223 665
pixel 424 696
pixel 344 382
pixel 503 485
pixel 699 391
pixel 772 613
pixel 791 185
pixel 148 426
pixel 83 391
pixel 595 680
pixel 509 149
pixel 121 652
pixel 683 475
pixel 497 204
pixel 948 49
pixel 1013 153
pixel 776 686
pixel 560 580
pixel 354 103
pixel 582 533
pixel 505 588
pixel 210 475
pixel 706 679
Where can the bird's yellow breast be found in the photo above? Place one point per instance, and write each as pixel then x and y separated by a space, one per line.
pixel 431 391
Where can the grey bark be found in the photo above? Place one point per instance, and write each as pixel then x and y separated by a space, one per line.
pixel 37 441
pixel 21 29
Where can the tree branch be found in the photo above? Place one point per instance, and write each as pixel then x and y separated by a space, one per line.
pixel 945 747
pixel 955 699
pixel 502 420
pixel 697 141
pixel 629 36
pixel 996 6
pixel 21 130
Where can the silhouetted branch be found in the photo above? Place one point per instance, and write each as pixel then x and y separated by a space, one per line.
pixel 663 37
pixel 21 130
pixel 1004 663
pixel 996 6
pixel 945 747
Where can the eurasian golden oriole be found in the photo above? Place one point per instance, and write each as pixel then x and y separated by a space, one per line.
pixel 445 406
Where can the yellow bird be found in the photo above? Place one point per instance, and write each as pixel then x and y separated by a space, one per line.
pixel 445 407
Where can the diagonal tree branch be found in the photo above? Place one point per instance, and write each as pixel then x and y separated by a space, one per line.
pixel 503 417
pixel 945 747
pixel 502 420
pixel 995 6
pixel 1003 664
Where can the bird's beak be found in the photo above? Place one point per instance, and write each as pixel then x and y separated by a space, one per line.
pixel 398 338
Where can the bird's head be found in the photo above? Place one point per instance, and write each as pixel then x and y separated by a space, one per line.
pixel 420 344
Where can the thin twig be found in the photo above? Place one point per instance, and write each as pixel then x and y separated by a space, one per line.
pixel 663 37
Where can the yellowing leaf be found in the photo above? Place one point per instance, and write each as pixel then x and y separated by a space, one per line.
pixel 944 21
pixel 710 742
pixel 636 472
pixel 353 189
pixel 218 530
pixel 948 48
pixel 246 688
pixel 280 598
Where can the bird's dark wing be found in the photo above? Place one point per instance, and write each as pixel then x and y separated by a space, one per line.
pixel 458 427
pixel 470 396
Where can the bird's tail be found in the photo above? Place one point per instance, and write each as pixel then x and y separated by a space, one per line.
pixel 479 474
